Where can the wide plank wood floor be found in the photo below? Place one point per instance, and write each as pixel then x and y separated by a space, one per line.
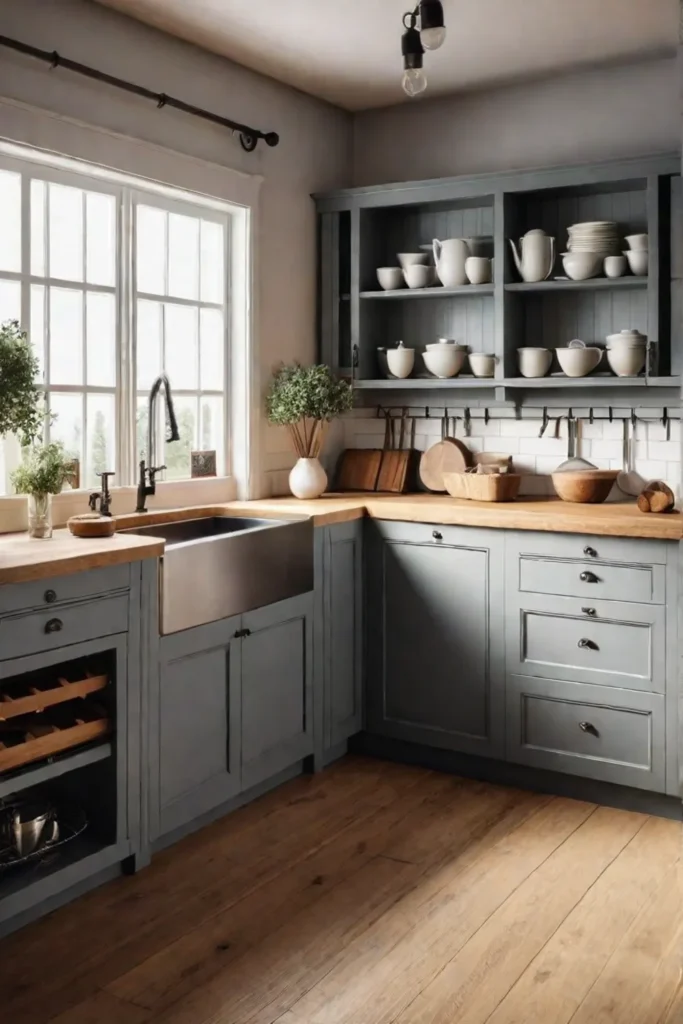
pixel 371 894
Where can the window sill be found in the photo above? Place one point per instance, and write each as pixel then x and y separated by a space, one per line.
pixel 170 494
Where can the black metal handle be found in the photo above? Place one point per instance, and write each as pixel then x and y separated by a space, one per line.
pixel 54 626
pixel 241 633
pixel 590 552
pixel 436 535
pixel 589 611
pixel 50 596
pixel 588 727
pixel 588 577
pixel 591 645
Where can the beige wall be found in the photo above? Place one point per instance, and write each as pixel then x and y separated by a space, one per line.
pixel 313 155
pixel 573 118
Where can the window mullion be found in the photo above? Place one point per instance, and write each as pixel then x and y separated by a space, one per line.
pixel 125 342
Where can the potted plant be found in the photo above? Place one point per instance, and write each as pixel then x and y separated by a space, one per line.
pixel 21 399
pixel 305 400
pixel 43 472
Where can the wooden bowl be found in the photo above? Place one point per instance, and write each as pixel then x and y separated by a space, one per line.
pixel 92 525
pixel 586 486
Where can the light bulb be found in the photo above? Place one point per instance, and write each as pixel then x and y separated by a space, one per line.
pixel 433 38
pixel 414 81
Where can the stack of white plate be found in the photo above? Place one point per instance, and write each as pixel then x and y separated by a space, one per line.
pixel 599 236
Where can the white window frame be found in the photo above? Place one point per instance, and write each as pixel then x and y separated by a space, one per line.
pixel 147 167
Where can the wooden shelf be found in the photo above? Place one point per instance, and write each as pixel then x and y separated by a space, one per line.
pixel 431 293
pixel 22 696
pixel 592 284
pixel 33 737
pixel 34 775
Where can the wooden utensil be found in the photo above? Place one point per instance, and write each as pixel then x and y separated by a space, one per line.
pixel 449 455
pixel 358 469
pixel 483 486
pixel 395 472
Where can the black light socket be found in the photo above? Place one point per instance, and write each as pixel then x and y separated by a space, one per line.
pixel 412 48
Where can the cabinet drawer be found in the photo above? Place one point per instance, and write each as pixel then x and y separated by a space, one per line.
pixel 592 731
pixel 626 550
pixel 50 592
pixel 606 642
pixel 591 579
pixel 70 624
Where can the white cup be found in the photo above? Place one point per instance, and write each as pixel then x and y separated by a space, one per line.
pixel 615 266
pixel 478 269
pixel 638 243
pixel 534 362
pixel 638 260
pixel 418 276
pixel 482 364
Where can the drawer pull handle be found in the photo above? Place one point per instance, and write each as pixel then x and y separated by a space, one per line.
pixel 436 535
pixel 590 552
pixel 590 644
pixel 588 577
pixel 589 611
pixel 588 727
pixel 54 626
pixel 50 596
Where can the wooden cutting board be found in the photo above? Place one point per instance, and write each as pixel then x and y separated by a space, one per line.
pixel 443 457
pixel 397 472
pixel 358 469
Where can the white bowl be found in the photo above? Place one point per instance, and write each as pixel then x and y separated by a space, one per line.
pixel 614 266
pixel 638 243
pixel 534 362
pixel 638 261
pixel 390 278
pixel 626 362
pixel 445 342
pixel 577 362
pixel 478 269
pixel 400 361
pixel 482 364
pixel 419 276
pixel 579 266
pixel 627 339
pixel 447 361
pixel 412 259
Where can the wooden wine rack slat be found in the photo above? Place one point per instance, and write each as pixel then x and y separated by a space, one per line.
pixel 38 699
pixel 35 736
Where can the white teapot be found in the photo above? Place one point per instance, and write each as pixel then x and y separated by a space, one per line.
pixel 449 257
pixel 536 256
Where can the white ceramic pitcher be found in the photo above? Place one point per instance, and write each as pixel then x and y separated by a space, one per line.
pixel 449 257
pixel 535 258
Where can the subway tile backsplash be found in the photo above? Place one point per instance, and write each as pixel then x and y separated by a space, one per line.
pixel 536 457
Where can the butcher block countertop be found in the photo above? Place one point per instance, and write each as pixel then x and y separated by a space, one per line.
pixel 23 558
pixel 547 514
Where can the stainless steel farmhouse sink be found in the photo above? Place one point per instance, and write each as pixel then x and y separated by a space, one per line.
pixel 218 566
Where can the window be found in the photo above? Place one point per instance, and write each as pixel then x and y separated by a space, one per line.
pixel 115 285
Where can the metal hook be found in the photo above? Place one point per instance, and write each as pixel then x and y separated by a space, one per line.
pixel 544 424
pixel 610 413
pixel 467 419
pixel 486 417
pixel 590 415
pixel 666 423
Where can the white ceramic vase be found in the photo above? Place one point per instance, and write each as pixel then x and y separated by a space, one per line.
pixel 308 479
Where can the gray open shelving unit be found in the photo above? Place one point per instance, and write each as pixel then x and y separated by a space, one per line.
pixel 362 229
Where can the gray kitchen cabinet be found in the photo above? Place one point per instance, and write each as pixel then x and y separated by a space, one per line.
pixel 594 731
pixel 339 633
pixel 277 688
pixel 435 672
pixel 196 735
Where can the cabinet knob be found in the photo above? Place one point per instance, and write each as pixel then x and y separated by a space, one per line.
pixel 591 645
pixel 50 596
pixel 588 577
pixel 54 626
pixel 589 611
pixel 588 727
pixel 590 552
pixel 436 535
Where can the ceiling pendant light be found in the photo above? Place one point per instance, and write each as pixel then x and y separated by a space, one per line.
pixel 414 78
pixel 432 28
pixel 430 35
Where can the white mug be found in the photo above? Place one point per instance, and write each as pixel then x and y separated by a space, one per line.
pixel 534 362
pixel 615 266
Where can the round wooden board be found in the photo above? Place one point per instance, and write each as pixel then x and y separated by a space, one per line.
pixel 447 456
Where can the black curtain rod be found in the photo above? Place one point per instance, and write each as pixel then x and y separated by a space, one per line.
pixel 249 137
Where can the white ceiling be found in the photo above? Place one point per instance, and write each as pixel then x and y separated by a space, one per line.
pixel 348 52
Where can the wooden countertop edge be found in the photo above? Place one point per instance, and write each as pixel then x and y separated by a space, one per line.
pixel 58 562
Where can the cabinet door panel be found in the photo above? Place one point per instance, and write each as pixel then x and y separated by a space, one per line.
pixel 277 728
pixel 434 639
pixel 198 738
pixel 343 637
